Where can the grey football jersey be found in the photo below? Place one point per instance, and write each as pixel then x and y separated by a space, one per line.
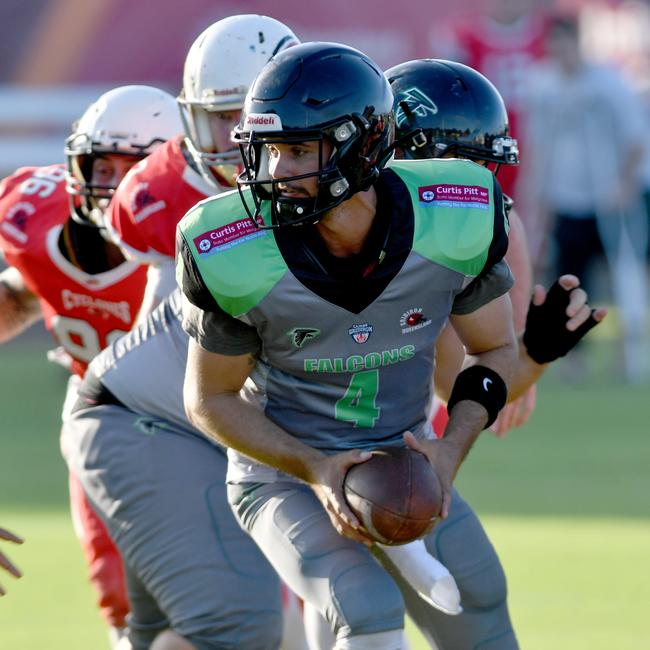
pixel 145 368
pixel 334 378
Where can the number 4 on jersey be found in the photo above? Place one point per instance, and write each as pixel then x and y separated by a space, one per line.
pixel 359 404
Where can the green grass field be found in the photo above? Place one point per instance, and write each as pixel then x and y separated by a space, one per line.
pixel 565 499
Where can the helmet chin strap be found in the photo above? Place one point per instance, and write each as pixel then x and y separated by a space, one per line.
pixel 88 213
pixel 295 211
pixel 411 141
pixel 96 216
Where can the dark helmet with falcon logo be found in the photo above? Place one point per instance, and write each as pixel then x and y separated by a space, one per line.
pixel 447 108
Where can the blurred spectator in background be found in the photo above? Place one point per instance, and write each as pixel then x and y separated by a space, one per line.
pixel 503 40
pixel 586 129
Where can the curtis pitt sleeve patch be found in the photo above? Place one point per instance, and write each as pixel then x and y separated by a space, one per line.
pixel 211 327
pixel 496 278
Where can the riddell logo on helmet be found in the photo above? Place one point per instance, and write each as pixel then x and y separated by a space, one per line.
pixel 224 92
pixel 263 122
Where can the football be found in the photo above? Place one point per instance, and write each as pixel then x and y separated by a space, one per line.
pixel 396 495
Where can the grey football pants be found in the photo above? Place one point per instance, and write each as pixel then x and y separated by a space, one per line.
pixel 342 579
pixel 189 565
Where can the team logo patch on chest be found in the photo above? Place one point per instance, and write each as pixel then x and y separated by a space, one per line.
pixel 413 320
pixel 454 196
pixel 360 333
pixel 300 335
pixel 226 237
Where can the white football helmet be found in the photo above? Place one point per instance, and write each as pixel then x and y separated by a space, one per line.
pixel 129 120
pixel 220 67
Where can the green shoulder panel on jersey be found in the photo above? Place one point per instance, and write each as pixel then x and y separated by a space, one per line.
pixel 238 263
pixel 455 211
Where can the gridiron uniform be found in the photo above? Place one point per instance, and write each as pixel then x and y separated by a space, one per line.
pixel 84 311
pixel 159 486
pixel 345 353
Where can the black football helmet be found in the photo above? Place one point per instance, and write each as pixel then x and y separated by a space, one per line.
pixel 312 92
pixel 444 107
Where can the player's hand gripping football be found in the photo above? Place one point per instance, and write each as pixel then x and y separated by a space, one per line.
pixel 444 459
pixel 328 486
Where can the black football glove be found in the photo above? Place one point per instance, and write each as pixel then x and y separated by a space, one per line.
pixel 546 337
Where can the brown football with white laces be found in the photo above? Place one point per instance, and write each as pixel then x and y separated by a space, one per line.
pixel 396 495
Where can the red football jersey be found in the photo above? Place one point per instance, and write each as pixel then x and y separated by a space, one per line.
pixel 505 55
pixel 151 200
pixel 84 311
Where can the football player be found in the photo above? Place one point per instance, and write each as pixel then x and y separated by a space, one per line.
pixel 313 321
pixel 219 68
pixel 446 109
pixel 195 579
pixel 141 218
pixel 118 399
pixel 64 271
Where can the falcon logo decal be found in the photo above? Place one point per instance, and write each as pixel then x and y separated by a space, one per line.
pixel 414 102
pixel 300 335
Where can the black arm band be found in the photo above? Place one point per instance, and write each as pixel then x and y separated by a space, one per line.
pixel 483 385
